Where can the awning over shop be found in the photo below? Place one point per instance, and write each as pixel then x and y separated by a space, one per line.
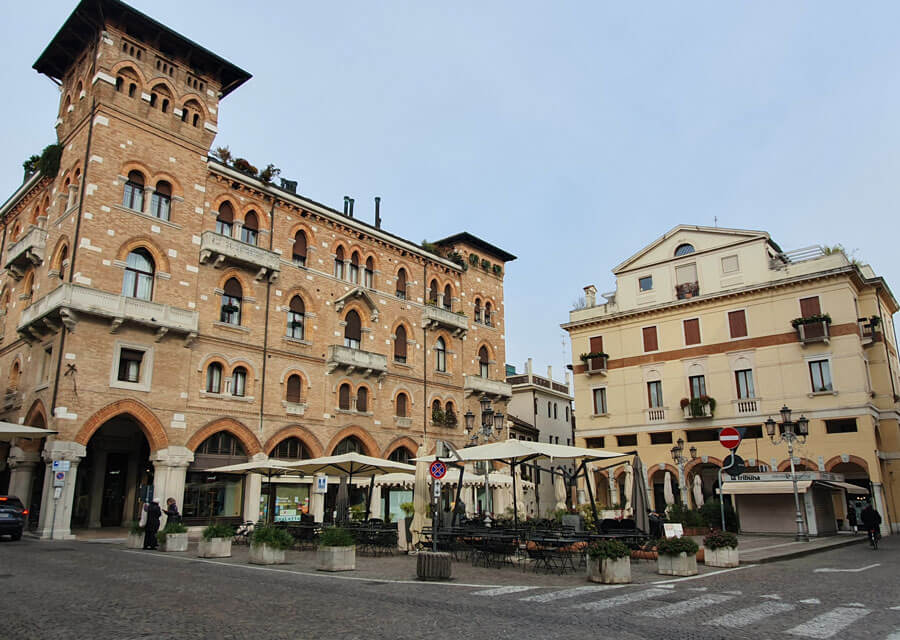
pixel 852 489
pixel 764 487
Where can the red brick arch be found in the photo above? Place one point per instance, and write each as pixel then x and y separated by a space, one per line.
pixel 37 415
pixel 654 469
pixel 835 461
pixel 785 465
pixel 142 414
pixel 402 441
pixel 232 426
pixel 699 460
pixel 295 431
pixel 160 258
pixel 368 441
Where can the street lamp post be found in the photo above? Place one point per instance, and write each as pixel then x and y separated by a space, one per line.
pixel 678 457
pixel 790 432
pixel 491 422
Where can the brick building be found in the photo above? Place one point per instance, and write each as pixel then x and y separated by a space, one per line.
pixel 167 312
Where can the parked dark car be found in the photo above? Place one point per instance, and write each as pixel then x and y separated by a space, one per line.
pixel 12 517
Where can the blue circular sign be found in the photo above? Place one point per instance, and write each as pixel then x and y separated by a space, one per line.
pixel 438 469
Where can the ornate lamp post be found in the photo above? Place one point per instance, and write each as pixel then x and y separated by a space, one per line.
pixel 491 422
pixel 791 432
pixel 678 457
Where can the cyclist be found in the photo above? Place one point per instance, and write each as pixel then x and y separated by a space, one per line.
pixel 871 520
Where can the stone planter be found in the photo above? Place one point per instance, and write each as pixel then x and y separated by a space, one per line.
pixel 722 557
pixel 175 542
pixel 336 558
pixel 214 548
pixel 264 554
pixel 609 571
pixel 135 541
pixel 680 565
pixel 433 565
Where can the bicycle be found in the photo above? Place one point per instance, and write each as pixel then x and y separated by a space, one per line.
pixel 874 536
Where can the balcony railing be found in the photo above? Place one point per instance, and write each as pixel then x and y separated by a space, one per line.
pixel 218 249
pixel 26 251
pixel 692 413
pixel 434 317
pixel 746 406
pixel 67 301
pixel 687 290
pixel 810 332
pixel 487 387
pixel 596 366
pixel 656 414
pixel 368 363
pixel 868 330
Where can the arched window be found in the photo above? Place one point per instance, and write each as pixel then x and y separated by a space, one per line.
pixel 400 344
pixel 354 268
pixel 161 201
pixel 362 399
pixel 350 444
pixel 63 261
pixel 16 231
pixel 221 444
pixel 684 249
pixel 487 314
pixel 344 397
pixel 477 309
pixel 401 284
pixel 132 89
pixel 214 378
pixel 239 382
pixel 567 414
pixel 440 355
pixel 339 263
pixel 449 415
pixel 296 313
pixel 294 392
pixel 484 368
pixel 225 219
pixel 299 250
pixel 28 285
pixel 448 297
pixel 369 279
pixel 353 330
pixel 165 105
pixel 291 449
pixel 250 230
pixel 437 414
pixel 14 374
pixel 555 416
pixel 401 406
pixel 432 292
pixel 133 196
pixel 119 82
pixel 401 454
pixel 153 99
pixel 549 409
pixel 196 119
pixel 138 280
pixel 231 302
pixel 66 105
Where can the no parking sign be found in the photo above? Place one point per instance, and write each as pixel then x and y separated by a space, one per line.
pixel 438 469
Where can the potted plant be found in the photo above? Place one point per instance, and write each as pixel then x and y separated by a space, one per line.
pixel 720 549
pixel 268 544
pixel 173 537
pixel 135 538
pixel 216 541
pixel 812 328
pixel 609 562
pixel 337 550
pixel 677 557
pixel 409 510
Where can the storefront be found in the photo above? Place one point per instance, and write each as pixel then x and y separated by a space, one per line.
pixel 214 496
pixel 765 501
pixel 292 500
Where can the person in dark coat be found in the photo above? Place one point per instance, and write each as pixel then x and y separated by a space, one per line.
pixel 171 512
pixel 871 519
pixel 152 526
pixel 851 518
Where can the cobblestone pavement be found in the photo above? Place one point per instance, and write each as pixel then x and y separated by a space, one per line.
pixel 95 590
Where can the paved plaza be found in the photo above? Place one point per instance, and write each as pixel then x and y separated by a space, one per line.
pixel 102 590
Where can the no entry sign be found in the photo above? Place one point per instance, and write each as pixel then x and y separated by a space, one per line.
pixel 438 469
pixel 729 437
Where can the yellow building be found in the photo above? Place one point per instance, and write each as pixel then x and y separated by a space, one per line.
pixel 704 331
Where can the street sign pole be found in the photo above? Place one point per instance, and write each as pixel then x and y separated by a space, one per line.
pixel 730 439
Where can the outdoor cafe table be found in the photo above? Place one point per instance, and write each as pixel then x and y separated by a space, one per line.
pixel 555 553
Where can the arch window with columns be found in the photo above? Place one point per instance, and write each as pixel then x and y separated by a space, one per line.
pixel 250 230
pixel 232 297
pixel 161 200
pixel 353 330
pixel 296 314
pixel 138 279
pixel 133 194
pixel 225 219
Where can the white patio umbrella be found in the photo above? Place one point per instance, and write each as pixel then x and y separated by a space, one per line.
pixel 268 468
pixel 420 497
pixel 698 491
pixel 629 487
pixel 560 487
pixel 8 431
pixel 668 491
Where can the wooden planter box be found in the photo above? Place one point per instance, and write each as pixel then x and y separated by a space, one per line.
pixel 264 554
pixel 134 541
pixel 723 557
pixel 336 558
pixel 176 542
pixel 609 571
pixel 680 565
pixel 214 548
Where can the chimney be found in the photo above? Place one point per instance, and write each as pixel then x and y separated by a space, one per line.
pixel 289 185
pixel 346 204
pixel 351 208
pixel 528 367
pixel 377 212
pixel 590 295
pixel 550 372
pixel 568 380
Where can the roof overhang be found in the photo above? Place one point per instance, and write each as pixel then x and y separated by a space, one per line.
pixel 478 243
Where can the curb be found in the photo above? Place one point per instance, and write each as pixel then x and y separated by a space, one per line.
pixel 790 555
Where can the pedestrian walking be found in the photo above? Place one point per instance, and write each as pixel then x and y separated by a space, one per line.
pixel 871 520
pixel 851 518
pixel 152 527
pixel 171 512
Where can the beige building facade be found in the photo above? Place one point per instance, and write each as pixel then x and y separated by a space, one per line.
pixel 713 327
pixel 168 312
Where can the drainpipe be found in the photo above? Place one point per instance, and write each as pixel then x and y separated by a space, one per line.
pixel 265 353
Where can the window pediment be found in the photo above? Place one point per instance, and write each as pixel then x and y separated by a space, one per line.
pixel 358 293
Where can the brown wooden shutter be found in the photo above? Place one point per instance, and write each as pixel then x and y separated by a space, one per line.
pixel 597 344
pixel 293 388
pixel 692 331
pixel 737 323
pixel 650 342
pixel 810 306
pixel 400 343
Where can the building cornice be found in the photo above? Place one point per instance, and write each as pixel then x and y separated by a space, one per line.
pixel 20 193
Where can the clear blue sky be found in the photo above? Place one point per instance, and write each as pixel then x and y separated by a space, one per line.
pixel 570 135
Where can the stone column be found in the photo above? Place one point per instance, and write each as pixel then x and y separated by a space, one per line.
pixel 130 490
pixel 95 481
pixel 21 473
pixel 237 226
pixel 72 197
pixel 253 490
pixel 878 496
pixel 56 512
pixel 169 471
pixel 317 502
pixel 148 196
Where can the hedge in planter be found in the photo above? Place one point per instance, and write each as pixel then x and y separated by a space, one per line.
pixel 135 538
pixel 721 549
pixel 216 542
pixel 609 563
pixel 173 537
pixel 337 550
pixel 677 557
pixel 268 544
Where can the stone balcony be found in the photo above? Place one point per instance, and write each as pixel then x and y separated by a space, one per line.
pixel 66 303
pixel 26 251
pixel 486 387
pixel 434 317
pixel 366 362
pixel 217 249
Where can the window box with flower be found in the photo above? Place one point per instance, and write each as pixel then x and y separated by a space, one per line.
pixel 700 407
pixel 595 362
pixel 814 328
